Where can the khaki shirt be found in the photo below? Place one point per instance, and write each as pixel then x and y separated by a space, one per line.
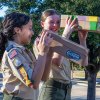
pixel 17 63
pixel 60 73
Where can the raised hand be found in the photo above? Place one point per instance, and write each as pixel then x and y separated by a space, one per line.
pixel 70 26
pixel 44 42
pixel 82 34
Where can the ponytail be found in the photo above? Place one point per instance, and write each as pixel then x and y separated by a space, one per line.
pixel 3 41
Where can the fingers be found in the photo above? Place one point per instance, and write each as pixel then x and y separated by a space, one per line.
pixel 44 43
pixel 83 31
pixel 41 38
pixel 45 38
pixel 72 23
pixel 74 26
pixel 69 20
pixel 37 41
pixel 50 39
pixel 82 34
pixel 42 35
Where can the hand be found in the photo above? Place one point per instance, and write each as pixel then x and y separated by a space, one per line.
pixel 44 42
pixel 70 25
pixel 82 37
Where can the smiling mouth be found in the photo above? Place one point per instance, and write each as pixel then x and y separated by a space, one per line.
pixel 54 30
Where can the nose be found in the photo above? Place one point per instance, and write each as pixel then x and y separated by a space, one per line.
pixel 32 32
pixel 55 24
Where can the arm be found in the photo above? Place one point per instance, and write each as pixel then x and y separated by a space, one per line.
pixel 69 28
pixel 43 48
pixel 70 25
pixel 47 66
pixel 48 60
pixel 21 67
pixel 82 38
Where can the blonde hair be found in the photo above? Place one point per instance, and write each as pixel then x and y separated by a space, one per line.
pixel 47 13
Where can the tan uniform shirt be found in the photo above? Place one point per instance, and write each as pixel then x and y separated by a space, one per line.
pixel 17 63
pixel 61 73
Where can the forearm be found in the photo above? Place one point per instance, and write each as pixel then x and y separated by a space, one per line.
pixel 83 43
pixel 39 69
pixel 47 69
pixel 66 36
pixel 47 65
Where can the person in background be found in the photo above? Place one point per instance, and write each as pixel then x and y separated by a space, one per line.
pixel 57 77
pixel 22 73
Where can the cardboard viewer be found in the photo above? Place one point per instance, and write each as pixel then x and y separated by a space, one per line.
pixel 90 23
pixel 69 49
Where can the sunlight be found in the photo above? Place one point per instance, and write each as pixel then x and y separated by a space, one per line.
pixel 2 11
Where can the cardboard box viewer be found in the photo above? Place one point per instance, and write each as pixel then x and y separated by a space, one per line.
pixel 69 49
pixel 90 23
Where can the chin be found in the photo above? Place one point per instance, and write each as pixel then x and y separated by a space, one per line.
pixel 28 42
pixel 54 30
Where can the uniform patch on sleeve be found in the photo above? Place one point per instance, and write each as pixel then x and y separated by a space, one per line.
pixel 12 54
pixel 17 62
pixel 24 75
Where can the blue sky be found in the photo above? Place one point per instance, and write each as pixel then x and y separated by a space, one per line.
pixel 2 11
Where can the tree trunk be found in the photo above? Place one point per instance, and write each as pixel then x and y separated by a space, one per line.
pixel 91 86
pixel 86 74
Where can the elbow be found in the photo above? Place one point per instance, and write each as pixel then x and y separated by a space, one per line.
pixel 56 62
pixel 36 86
pixel 44 79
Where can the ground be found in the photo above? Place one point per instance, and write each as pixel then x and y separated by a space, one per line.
pixel 79 89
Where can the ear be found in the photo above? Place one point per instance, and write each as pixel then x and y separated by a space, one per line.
pixel 42 24
pixel 17 30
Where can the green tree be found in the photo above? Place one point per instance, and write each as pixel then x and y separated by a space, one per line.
pixel 1 18
pixel 76 7
pixel 89 8
pixel 29 7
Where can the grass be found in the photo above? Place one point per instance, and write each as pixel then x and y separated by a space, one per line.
pixel 81 74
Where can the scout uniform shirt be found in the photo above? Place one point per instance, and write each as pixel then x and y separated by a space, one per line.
pixel 17 67
pixel 61 73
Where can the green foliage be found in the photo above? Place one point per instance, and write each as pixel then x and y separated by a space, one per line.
pixel 77 7
pixel 93 44
pixel 1 18
pixel 26 6
pixel 76 67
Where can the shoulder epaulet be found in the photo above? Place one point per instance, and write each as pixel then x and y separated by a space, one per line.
pixel 12 53
pixel 9 48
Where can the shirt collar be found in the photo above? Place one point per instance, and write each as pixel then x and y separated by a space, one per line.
pixel 15 44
